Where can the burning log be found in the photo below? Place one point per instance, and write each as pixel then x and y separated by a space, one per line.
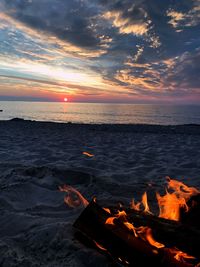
pixel 136 245
pixel 135 237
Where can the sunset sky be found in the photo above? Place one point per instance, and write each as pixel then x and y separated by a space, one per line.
pixel 139 51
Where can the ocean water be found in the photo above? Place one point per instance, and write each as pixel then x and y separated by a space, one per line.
pixel 101 113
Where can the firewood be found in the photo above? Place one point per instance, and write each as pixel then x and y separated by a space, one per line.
pixel 120 243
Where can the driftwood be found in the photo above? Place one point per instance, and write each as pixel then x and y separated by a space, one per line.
pixel 121 244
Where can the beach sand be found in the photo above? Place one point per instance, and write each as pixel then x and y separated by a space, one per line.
pixel 37 157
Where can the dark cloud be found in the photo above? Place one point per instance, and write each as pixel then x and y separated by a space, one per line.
pixel 68 20
pixel 186 71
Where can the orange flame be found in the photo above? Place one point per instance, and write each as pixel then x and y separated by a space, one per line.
pixel 180 255
pixel 110 220
pixel 74 198
pixel 135 206
pixel 88 154
pixel 169 206
pixel 144 202
pixel 131 227
pixel 171 203
pixel 142 232
pixel 107 210
pixel 146 234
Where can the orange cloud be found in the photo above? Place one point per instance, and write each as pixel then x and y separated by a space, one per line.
pixel 125 25
pixel 176 17
pixel 146 82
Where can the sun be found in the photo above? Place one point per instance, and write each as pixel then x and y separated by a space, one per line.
pixel 65 99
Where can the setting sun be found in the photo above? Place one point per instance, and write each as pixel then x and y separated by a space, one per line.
pixel 65 99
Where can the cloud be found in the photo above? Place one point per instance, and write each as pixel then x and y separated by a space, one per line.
pixel 175 18
pixel 66 20
pixel 122 47
pixel 178 75
pixel 127 25
pixel 38 36
pixel 138 53
pixel 180 20
pixel 186 69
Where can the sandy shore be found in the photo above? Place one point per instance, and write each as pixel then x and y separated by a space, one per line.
pixel 35 158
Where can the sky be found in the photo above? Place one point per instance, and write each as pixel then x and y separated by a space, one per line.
pixel 130 51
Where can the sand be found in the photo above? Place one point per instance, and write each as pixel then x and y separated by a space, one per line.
pixel 37 157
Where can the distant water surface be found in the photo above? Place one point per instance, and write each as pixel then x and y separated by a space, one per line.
pixel 101 113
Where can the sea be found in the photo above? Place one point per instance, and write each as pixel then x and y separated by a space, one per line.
pixel 101 113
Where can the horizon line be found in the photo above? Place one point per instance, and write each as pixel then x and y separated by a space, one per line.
pixel 99 102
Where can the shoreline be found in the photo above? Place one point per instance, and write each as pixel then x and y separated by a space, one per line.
pixel 135 128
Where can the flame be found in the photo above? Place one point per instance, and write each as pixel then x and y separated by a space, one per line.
pixel 142 232
pixel 110 220
pixel 88 154
pixel 146 234
pixel 144 202
pixel 131 227
pixel 176 197
pixel 182 189
pixel 107 210
pixel 135 206
pixel 73 198
pixel 171 203
pixel 180 255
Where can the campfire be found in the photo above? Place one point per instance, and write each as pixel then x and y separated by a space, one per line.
pixel 135 236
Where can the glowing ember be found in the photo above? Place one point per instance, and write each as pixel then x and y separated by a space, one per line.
pixel 99 246
pixel 88 154
pixel 73 198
